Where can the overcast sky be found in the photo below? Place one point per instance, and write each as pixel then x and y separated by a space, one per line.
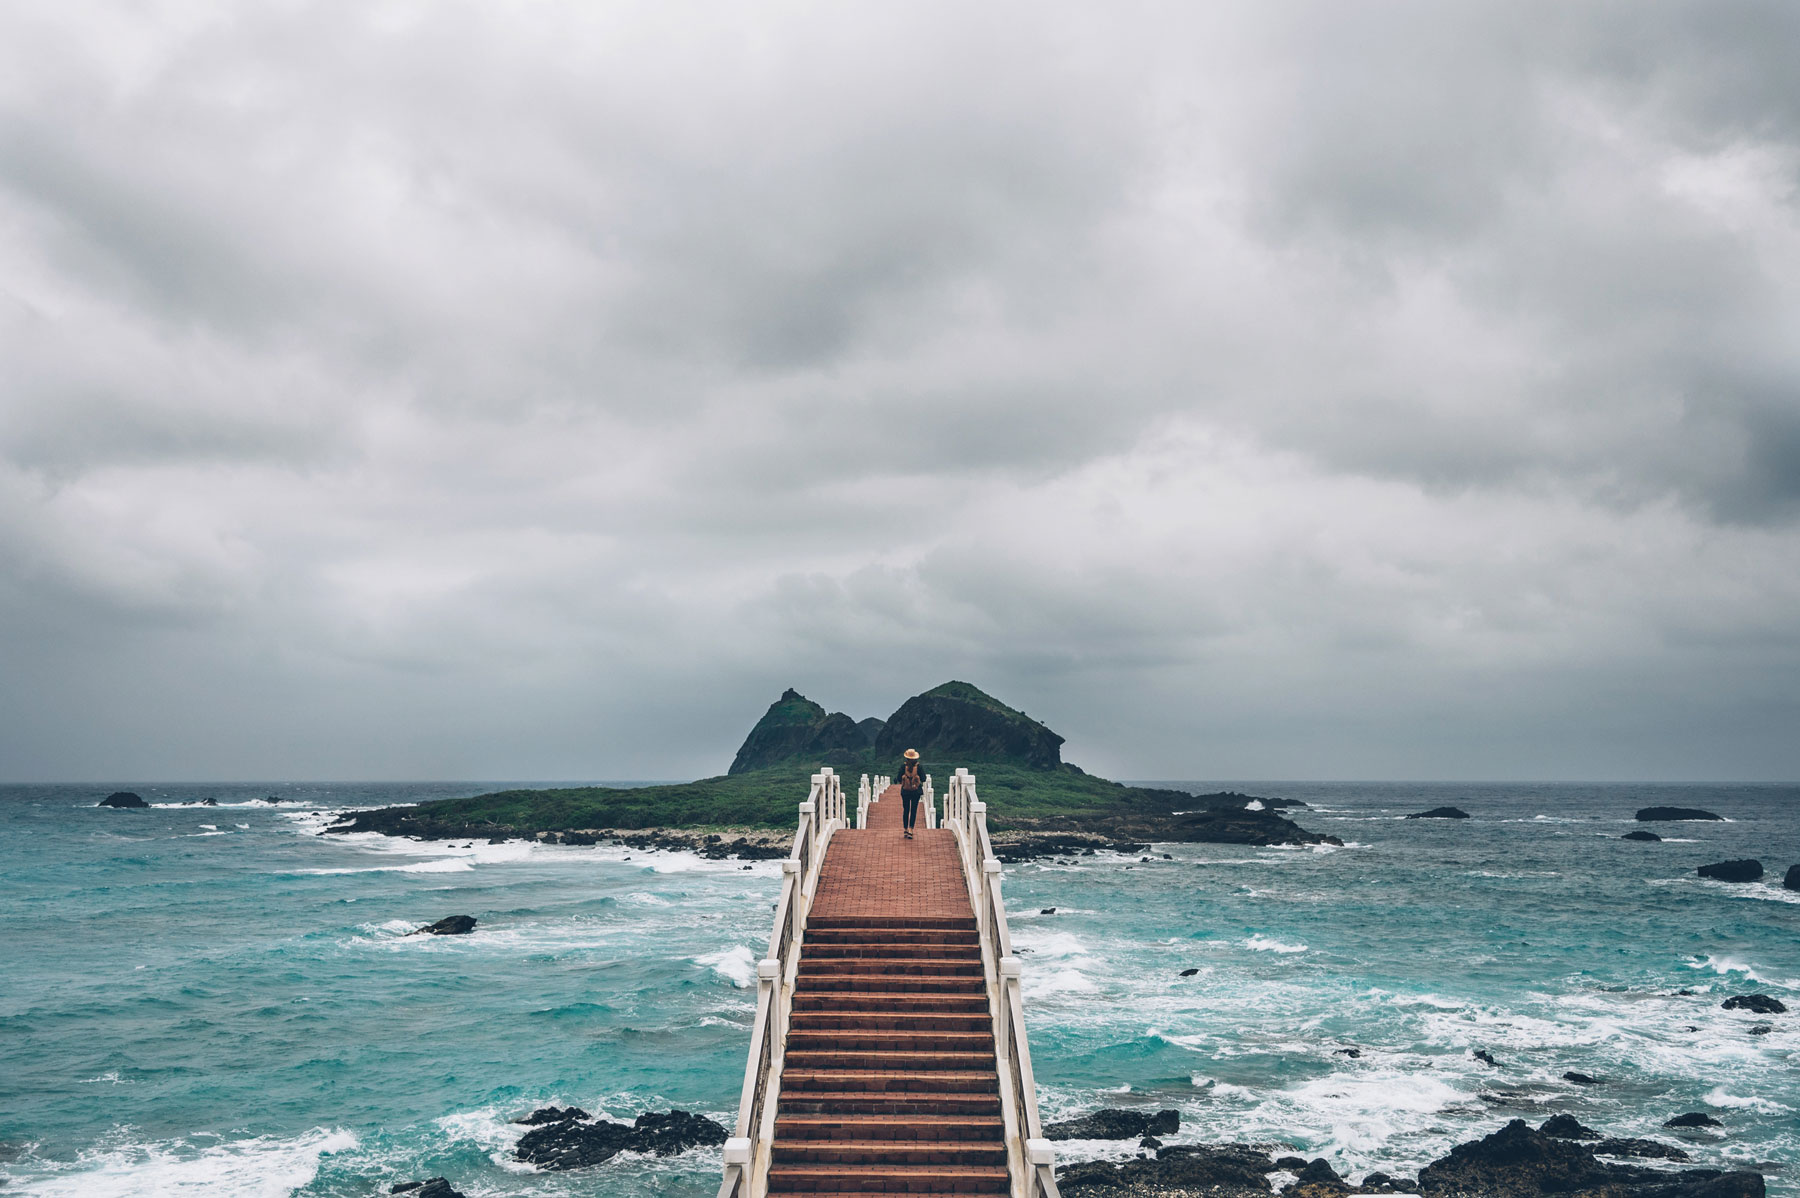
pixel 482 390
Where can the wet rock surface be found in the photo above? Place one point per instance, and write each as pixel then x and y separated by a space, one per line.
pixel 1113 1123
pixel 1641 834
pixel 1440 813
pixel 1747 869
pixel 1517 1161
pixel 1652 814
pixel 1761 1004
pixel 578 1143
pixel 450 925
pixel 1693 1119
pixel 1791 881
pixel 122 798
pixel 435 1187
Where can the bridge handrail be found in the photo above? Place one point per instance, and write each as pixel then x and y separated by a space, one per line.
pixel 1030 1158
pixel 747 1152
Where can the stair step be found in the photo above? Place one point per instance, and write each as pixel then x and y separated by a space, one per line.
pixel 889 1152
pixel 967 967
pixel 955 1179
pixel 892 983
pixel 910 1040
pixel 860 951
pixel 816 1059
pixel 893 1021
pixel 858 1127
pixel 912 1002
pixel 884 924
pixel 891 1104
pixel 890 935
pixel 874 1081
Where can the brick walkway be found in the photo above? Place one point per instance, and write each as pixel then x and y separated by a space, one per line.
pixel 878 872
pixel 890 1084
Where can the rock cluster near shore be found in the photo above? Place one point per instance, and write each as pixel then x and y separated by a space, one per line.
pixel 567 1138
pixel 1517 1161
pixel 1114 1123
pixel 122 798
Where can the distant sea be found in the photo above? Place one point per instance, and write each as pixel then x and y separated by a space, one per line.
pixel 219 1001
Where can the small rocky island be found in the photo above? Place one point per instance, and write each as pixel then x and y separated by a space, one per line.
pixel 122 798
pixel 1038 804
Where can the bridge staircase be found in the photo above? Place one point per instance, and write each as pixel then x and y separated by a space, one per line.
pixel 889 1053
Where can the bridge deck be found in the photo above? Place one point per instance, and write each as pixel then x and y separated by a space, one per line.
pixel 890 1084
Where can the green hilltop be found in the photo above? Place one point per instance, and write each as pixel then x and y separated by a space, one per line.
pixel 1017 761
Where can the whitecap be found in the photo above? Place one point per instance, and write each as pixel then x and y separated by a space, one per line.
pixel 1065 980
pixel 1719 1097
pixel 736 965
pixel 1254 805
pixel 264 1167
pixel 445 866
pixel 1268 944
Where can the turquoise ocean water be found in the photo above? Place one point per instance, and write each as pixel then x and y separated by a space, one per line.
pixel 217 1000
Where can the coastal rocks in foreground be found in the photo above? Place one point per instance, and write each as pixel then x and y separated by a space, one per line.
pixel 1518 1162
pixel 122 798
pixel 1762 1004
pixel 1747 869
pixel 1514 1162
pixel 1674 814
pixel 450 925
pixel 1112 1123
pixel 434 1187
pixel 1641 834
pixel 563 1142
pixel 1440 813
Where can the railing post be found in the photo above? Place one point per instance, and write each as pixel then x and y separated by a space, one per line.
pixel 1009 981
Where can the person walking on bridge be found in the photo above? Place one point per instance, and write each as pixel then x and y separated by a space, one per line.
pixel 912 785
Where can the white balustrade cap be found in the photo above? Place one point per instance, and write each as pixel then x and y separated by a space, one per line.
pixel 737 1150
pixel 768 968
pixel 991 865
pixel 1038 1152
pixel 1009 967
pixel 790 866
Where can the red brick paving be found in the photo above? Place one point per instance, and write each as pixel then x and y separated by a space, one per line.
pixel 877 872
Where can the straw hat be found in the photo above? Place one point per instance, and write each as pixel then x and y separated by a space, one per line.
pixel 911 754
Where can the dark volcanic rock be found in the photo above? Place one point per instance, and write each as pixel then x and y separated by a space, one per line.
pixel 1441 813
pixel 1580 1079
pixel 1641 834
pixel 1111 1123
pixel 1015 847
pixel 1648 814
pixel 553 1114
pixel 1568 1127
pixel 1792 880
pixel 1242 827
pixel 1762 1004
pixel 450 925
pixel 122 798
pixel 209 802
pixel 436 1187
pixel 1640 1148
pixel 958 722
pixel 1485 1057
pixel 1188 973
pixel 1517 1162
pixel 577 1144
pixel 1693 1119
pixel 1227 1171
pixel 1746 869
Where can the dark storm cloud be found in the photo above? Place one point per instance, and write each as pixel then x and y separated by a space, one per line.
pixel 1265 389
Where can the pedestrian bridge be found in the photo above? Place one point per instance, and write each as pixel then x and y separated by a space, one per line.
pixel 889 1052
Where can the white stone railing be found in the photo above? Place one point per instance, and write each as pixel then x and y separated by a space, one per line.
pixel 747 1151
pixel 1029 1158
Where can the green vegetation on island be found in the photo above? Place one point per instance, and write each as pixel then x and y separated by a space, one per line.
pixel 1017 761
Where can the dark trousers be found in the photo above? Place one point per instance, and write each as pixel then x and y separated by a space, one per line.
pixel 909 808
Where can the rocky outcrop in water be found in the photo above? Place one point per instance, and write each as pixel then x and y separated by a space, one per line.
pixel 122 798
pixel 1666 814
pixel 1514 1162
pixel 1761 1004
pixel 1693 1119
pixel 1113 1123
pixel 553 1114
pixel 1641 834
pixel 1518 1162
pixel 450 925
pixel 436 1187
pixel 1747 869
pixel 1440 813
pixel 580 1143
pixel 1792 879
